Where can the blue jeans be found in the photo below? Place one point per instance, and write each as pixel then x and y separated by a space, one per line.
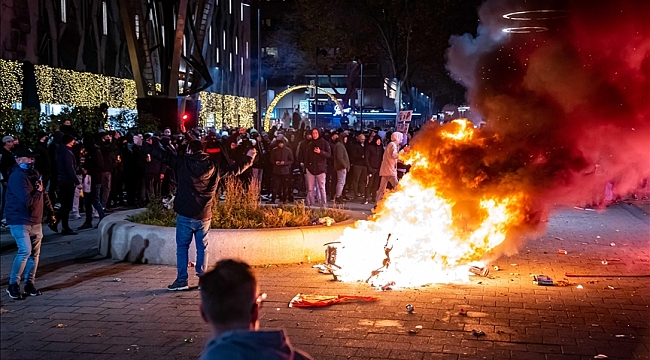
pixel 28 238
pixel 317 181
pixel 92 200
pixel 185 229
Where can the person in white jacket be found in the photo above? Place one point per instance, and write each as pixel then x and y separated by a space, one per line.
pixel 388 169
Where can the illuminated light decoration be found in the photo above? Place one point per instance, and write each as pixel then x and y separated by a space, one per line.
pixel 524 29
pixel 231 108
pixel 534 15
pixel 274 102
pixel 184 117
pixel 72 88
pixel 11 83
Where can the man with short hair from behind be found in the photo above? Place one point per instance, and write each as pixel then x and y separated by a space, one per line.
pixel 230 304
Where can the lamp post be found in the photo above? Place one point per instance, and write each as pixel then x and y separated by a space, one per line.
pixel 259 124
pixel 361 100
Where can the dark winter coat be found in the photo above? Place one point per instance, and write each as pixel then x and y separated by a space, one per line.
pixel 374 154
pixel 94 163
pixel 341 159
pixel 7 160
pixel 43 163
pixel 197 179
pixel 282 154
pixel 317 163
pixel 24 205
pixel 66 164
pixel 356 152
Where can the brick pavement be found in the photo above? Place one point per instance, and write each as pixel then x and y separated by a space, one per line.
pixel 85 314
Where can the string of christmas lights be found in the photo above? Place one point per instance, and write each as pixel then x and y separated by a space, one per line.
pixel 73 88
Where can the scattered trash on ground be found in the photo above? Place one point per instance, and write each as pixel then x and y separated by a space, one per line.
pixel 189 340
pixel 117 280
pixel 60 326
pixel 96 335
pixel 619 336
pixel 479 271
pixel 308 301
pixel 478 333
pixel 579 287
pixel 500 332
pixel 415 331
pixel 409 308
pixel 327 221
pixel 612 244
pixel 562 252
pixel 559 238
pixel 513 264
pixel 496 268
pixel 542 280
pixel 594 325
pixel 600 356
pixel 462 312
pixel 604 262
pixel 597 236
pixel 609 287
pixel 562 283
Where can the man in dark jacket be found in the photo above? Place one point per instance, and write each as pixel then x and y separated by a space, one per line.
pixel 197 181
pixel 317 151
pixel 358 169
pixel 282 159
pixel 154 172
pixel 25 204
pixel 373 155
pixel 7 161
pixel 230 305
pixel 93 167
pixel 109 157
pixel 66 164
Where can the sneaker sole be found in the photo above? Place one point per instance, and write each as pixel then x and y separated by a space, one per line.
pixel 11 296
pixel 182 288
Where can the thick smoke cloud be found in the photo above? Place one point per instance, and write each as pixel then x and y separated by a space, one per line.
pixel 570 106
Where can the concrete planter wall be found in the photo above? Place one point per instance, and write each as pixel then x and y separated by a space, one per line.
pixel 124 240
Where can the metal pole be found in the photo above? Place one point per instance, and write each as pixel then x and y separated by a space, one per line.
pixel 316 102
pixel 361 100
pixel 259 119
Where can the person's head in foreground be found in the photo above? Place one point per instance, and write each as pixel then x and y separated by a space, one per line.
pixel 230 305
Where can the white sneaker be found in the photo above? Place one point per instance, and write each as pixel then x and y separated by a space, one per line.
pixel 95 214
pixel 76 216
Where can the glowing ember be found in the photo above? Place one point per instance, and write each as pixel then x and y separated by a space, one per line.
pixel 430 229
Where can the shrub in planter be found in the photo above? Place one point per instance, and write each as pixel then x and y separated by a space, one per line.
pixel 242 209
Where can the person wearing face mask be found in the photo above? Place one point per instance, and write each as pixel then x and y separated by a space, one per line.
pixel 197 179
pixel 26 201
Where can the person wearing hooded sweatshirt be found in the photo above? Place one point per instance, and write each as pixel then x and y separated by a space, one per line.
pixel 317 151
pixel 341 164
pixel 230 304
pixel 388 169
pixel 282 159
pixel 197 179
pixel 373 155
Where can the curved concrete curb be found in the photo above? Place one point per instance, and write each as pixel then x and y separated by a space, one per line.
pixel 124 240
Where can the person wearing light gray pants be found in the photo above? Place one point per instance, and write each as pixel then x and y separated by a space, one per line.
pixel 388 169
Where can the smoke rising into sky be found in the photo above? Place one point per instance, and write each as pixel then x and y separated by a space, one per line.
pixel 569 105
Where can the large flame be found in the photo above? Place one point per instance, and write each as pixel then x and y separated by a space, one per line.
pixel 432 227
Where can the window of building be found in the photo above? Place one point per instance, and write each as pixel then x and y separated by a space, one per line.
pixel 184 45
pixel 104 18
pixel 241 14
pixel 241 65
pixel 64 15
pixel 218 51
pixel 137 27
pixel 247 50
pixel 231 62
pixel 230 6
pixel 236 45
pixel 224 39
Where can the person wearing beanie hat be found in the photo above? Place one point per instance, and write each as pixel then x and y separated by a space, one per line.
pixel 66 164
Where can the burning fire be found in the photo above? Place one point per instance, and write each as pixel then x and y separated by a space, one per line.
pixel 438 222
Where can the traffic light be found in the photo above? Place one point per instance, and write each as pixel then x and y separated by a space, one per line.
pixel 184 117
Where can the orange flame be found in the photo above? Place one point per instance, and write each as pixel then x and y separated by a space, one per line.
pixel 435 230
